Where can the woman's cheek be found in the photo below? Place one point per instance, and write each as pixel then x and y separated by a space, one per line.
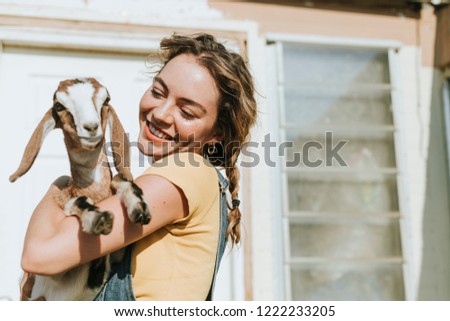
pixel 188 133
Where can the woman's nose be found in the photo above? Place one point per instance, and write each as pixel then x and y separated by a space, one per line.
pixel 164 113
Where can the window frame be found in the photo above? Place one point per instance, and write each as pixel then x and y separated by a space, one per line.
pixel 275 100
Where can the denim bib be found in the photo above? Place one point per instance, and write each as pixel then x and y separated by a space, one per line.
pixel 119 286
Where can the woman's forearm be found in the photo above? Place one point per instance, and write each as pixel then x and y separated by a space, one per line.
pixel 55 243
pixel 45 252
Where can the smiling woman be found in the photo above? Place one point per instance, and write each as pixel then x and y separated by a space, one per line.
pixel 197 113
pixel 177 114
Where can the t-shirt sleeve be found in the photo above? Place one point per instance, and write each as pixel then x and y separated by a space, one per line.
pixel 190 172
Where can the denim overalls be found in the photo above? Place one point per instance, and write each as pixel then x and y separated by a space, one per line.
pixel 119 285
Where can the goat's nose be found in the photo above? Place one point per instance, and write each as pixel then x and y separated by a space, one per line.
pixel 91 127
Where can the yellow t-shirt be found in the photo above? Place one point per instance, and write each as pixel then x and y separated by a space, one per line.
pixel 177 261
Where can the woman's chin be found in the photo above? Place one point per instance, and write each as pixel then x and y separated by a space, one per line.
pixel 155 149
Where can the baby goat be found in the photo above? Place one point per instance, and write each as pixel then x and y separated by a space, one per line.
pixel 81 109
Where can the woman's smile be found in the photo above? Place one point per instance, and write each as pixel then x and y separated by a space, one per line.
pixel 154 133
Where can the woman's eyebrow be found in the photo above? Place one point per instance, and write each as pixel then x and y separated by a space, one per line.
pixel 186 100
pixel 162 83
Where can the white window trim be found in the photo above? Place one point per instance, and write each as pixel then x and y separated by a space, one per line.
pixel 402 174
pixel 409 278
pixel 334 41
pixel 78 39
pixel 282 281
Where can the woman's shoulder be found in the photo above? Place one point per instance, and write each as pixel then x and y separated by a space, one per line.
pixel 183 159
pixel 192 173
pixel 186 163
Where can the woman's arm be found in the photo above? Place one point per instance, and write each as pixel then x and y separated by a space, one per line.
pixel 55 243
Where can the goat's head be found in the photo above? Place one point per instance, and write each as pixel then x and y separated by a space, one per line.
pixel 78 105
pixel 81 109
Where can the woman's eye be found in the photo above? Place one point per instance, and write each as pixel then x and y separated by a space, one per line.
pixel 187 114
pixel 156 93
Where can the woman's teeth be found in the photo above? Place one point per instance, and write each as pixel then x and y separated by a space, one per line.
pixel 158 133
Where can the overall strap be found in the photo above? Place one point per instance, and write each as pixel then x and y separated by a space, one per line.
pixel 119 286
pixel 223 224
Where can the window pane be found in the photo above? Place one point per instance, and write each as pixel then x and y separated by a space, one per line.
pixel 331 192
pixel 317 64
pixel 351 238
pixel 308 106
pixel 340 174
pixel 347 282
pixel 370 150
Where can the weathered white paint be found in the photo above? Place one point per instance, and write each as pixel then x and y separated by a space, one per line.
pixel 135 9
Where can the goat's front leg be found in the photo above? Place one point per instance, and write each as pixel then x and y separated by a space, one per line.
pixel 93 221
pixel 132 197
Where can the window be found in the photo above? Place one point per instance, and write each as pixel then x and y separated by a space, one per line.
pixel 339 194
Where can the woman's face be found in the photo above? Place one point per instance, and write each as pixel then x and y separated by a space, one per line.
pixel 179 111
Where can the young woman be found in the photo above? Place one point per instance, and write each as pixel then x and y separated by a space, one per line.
pixel 197 113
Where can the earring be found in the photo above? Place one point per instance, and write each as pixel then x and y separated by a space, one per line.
pixel 212 149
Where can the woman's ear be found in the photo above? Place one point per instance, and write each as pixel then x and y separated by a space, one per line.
pixel 216 138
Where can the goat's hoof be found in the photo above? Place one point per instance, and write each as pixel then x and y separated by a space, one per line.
pixel 102 223
pixel 141 214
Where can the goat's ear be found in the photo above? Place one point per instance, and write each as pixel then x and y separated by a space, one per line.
pixel 34 145
pixel 120 144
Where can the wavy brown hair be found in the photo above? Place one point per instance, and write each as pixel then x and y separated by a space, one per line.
pixel 237 107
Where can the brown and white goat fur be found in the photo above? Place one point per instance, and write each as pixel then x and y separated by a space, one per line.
pixel 82 110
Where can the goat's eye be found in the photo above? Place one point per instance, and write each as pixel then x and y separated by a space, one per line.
pixel 106 101
pixel 59 107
